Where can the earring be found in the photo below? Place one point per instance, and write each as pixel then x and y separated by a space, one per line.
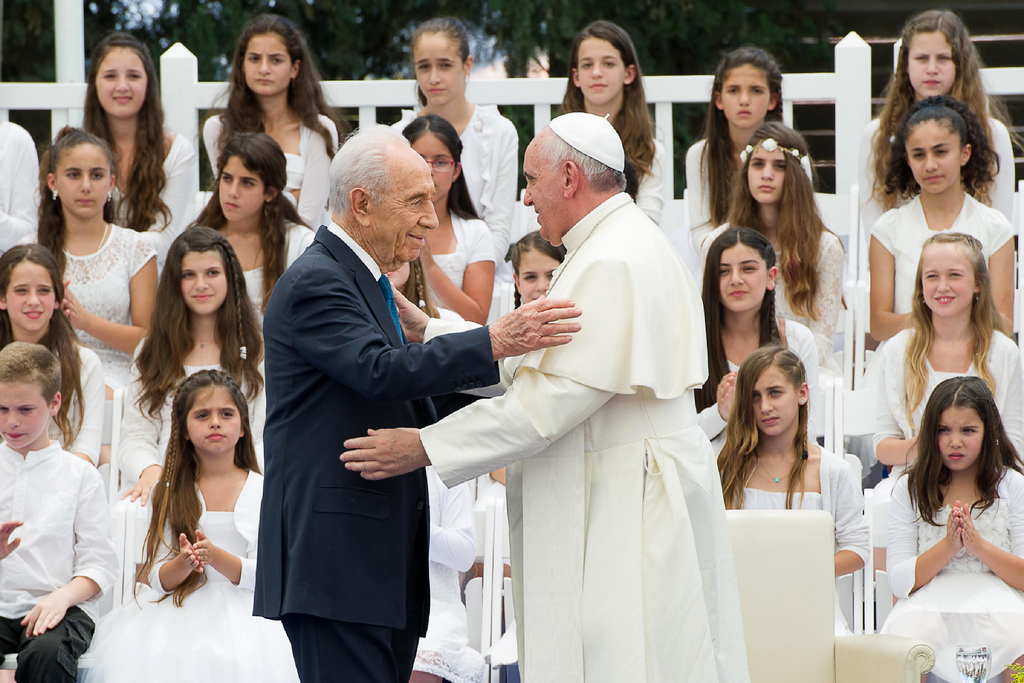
pixel 803 401
pixel 110 195
pixel 55 195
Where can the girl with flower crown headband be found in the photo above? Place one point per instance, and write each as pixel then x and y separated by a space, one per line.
pixel 940 155
pixel 936 57
pixel 204 319
pixel 774 194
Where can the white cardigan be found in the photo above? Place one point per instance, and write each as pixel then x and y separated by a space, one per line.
pixel 247 523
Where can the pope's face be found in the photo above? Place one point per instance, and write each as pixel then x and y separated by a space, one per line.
pixel 543 191
pixel 399 224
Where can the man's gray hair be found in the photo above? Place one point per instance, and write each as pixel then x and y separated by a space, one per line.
pixel 600 177
pixel 362 163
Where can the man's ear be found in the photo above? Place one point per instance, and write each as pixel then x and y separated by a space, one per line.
pixel 362 205
pixel 572 179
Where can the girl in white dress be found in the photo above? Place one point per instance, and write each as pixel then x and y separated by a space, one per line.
pixel 444 653
pixel 275 89
pixel 111 271
pixel 19 172
pixel 534 262
pixel 200 557
pixel 31 299
pixel 204 319
pixel 490 143
pixel 739 313
pixel 458 256
pixel 936 57
pixel 767 462
pixel 956 533
pixel 746 92
pixel 155 167
pixel 940 154
pixel 605 79
pixel 774 194
pixel 250 208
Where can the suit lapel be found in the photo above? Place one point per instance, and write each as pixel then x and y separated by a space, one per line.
pixel 367 285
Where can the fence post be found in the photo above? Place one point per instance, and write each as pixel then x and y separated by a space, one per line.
pixel 853 106
pixel 69 42
pixel 179 80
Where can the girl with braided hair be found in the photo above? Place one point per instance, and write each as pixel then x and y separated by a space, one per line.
pixel 739 309
pixel 941 157
pixel 200 552
pixel 203 319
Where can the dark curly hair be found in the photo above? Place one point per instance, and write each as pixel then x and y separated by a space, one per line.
pixel 976 176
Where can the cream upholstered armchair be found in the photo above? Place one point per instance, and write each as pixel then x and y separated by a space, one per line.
pixel 786 580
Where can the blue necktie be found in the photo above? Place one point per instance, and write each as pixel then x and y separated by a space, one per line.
pixel 385 288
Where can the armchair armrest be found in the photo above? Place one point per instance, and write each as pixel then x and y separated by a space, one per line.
pixel 881 659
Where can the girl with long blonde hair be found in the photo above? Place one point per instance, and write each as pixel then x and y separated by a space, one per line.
pixel 954 328
pixel 774 195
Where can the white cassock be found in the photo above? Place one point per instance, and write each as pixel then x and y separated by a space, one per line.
pixel 620 548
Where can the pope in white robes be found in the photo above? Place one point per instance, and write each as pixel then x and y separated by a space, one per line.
pixel 620 549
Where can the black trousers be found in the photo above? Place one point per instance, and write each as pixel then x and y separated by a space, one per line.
pixel 326 650
pixel 51 657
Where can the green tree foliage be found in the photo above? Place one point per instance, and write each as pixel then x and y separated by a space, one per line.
pixel 355 39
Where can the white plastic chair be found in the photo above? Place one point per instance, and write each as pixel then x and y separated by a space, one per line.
pixel 484 595
pixel 112 435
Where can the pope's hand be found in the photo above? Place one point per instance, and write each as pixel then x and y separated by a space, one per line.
pixel 533 326
pixel 414 321
pixel 385 453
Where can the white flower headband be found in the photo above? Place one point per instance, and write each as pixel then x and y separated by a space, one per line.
pixel 770 145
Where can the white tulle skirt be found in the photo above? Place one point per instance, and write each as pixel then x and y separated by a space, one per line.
pixel 959 608
pixel 211 638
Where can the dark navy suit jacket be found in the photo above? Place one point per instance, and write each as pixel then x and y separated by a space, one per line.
pixel 332 544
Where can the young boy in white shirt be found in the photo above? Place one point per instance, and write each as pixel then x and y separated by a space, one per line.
pixel 63 558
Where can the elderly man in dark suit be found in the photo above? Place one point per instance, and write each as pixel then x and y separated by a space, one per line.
pixel 342 560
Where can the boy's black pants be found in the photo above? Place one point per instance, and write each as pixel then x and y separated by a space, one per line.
pixel 53 656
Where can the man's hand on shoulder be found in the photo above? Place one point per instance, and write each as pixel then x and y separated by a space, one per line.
pixel 385 453
pixel 533 326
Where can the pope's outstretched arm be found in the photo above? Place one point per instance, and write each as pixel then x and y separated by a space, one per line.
pixel 487 435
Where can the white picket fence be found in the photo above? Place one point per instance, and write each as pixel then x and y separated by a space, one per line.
pixel 849 87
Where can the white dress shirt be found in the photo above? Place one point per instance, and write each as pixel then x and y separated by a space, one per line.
pixel 68 530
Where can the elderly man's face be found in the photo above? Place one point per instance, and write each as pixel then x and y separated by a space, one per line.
pixel 401 221
pixel 544 191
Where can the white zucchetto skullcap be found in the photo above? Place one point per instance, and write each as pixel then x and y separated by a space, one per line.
pixel 591 135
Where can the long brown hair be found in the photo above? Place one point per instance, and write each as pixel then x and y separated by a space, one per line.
pixel 60 337
pixel 976 176
pixel 899 93
pixel 176 504
pixel 800 227
pixel 161 360
pixel 928 478
pixel 417 290
pixel 633 122
pixel 986 321
pixel 716 160
pixel 51 213
pixel 141 206
pixel 260 154
pixel 305 98
pixel 739 455
pixel 718 363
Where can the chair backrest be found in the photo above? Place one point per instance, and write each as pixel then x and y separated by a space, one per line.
pixel 786 576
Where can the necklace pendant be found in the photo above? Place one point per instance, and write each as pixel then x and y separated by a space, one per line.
pixel 776 480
